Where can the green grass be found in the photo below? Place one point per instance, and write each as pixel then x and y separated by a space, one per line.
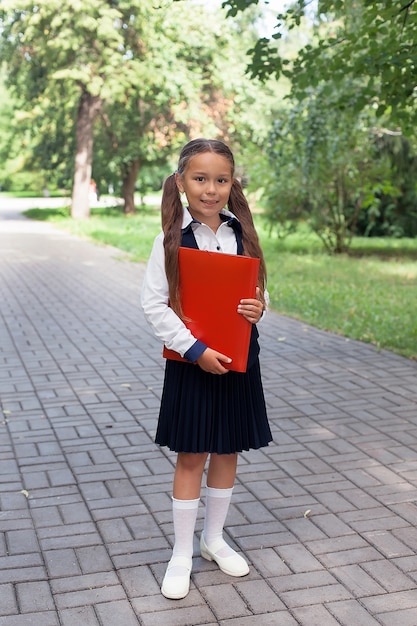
pixel 370 295
pixel 30 194
pixel 364 299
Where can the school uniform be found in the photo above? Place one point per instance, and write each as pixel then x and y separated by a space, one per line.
pixel 203 412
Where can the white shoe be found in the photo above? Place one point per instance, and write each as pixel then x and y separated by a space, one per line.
pixel 177 586
pixel 234 565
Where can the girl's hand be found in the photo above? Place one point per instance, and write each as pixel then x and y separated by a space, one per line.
pixel 251 308
pixel 211 361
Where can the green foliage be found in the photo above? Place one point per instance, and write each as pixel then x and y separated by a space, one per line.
pixel 63 60
pixel 331 162
pixel 168 98
pixel 371 42
pixel 149 76
pixel 394 207
pixel 321 168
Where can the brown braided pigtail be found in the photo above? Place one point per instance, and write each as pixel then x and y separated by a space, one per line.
pixel 171 215
pixel 239 206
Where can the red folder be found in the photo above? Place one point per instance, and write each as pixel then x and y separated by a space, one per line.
pixel 211 287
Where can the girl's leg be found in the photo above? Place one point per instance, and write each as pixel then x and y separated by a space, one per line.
pixel 187 484
pixel 220 480
pixel 188 474
pixel 222 471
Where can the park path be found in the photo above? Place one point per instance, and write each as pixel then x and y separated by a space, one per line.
pixel 326 515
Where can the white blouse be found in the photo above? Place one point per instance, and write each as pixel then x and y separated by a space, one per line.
pixel 166 324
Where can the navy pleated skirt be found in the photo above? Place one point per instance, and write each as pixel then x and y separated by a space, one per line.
pixel 202 412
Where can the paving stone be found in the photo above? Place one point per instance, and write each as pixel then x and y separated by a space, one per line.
pixel 139 582
pixel 21 541
pixel 119 612
pixel 316 615
pixel 61 563
pixel 349 557
pixel 34 597
pixel 408 535
pixel 48 618
pixel 406 617
pixel 350 612
pixel 388 544
pixel 8 604
pixel 84 615
pixel 390 602
pixel 318 595
pixel 25 574
pixel 354 578
pixel 10 520
pixel 388 521
pixel 71 541
pixel 283 618
pixel 304 529
pixel 89 596
pixel 388 575
pixel 47 516
pixel 299 558
pixel 292 582
pixel 268 562
pixel 407 564
pixel 331 525
pixel 338 544
pixel 259 596
pixel 265 540
pixel 225 602
pixel 114 530
pixel 21 561
pixel 93 559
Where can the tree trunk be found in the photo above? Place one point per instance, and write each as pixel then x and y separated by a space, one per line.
pixel 130 175
pixel 87 110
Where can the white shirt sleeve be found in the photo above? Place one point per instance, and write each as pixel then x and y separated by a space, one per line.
pixel 166 324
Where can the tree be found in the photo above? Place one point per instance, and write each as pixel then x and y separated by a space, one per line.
pixel 183 91
pixel 84 53
pixel 371 42
pixel 358 60
pixel 392 209
pixel 168 101
pixel 10 152
pixel 323 169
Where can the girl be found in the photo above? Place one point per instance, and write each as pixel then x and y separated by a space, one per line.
pixel 206 410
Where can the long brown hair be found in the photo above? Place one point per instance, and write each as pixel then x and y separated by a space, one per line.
pixel 172 216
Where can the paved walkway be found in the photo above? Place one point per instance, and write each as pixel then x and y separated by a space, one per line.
pixel 326 515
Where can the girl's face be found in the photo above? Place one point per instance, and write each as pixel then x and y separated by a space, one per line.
pixel 206 181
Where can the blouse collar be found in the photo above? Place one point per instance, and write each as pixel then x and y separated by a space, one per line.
pixel 188 219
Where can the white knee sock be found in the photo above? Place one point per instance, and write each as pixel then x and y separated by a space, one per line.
pixel 217 506
pixel 184 515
